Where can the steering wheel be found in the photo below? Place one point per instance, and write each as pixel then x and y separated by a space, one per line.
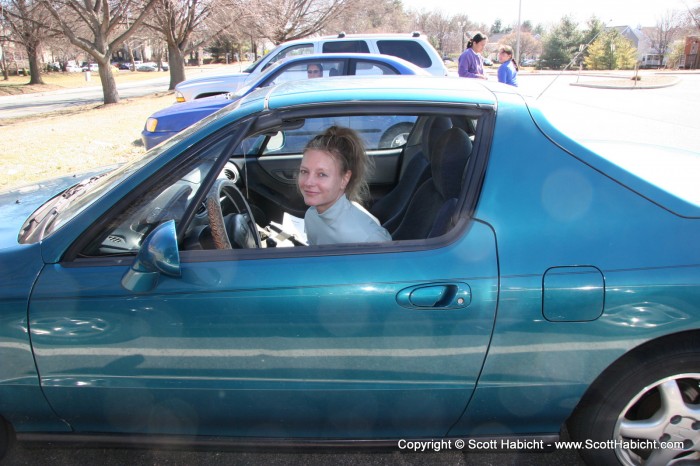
pixel 234 231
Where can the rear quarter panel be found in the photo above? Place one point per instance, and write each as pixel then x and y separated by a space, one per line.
pixel 550 208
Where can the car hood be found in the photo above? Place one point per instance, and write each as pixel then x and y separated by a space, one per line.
pixel 18 204
pixel 179 116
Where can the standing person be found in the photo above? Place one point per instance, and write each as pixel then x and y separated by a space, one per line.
pixel 471 62
pixel 508 71
pixel 333 173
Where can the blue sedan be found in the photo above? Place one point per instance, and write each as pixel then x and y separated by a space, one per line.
pixel 171 120
pixel 531 283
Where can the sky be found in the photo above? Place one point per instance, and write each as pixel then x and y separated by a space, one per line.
pixel 611 12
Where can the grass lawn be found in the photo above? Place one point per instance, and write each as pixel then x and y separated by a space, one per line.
pixel 38 148
pixel 79 139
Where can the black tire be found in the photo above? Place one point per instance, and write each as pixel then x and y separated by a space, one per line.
pixel 643 410
pixel 396 136
pixel 7 437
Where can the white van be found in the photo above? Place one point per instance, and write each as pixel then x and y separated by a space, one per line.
pixel 411 47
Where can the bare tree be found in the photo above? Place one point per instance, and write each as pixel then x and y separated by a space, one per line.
pixel 440 28
pixel 371 16
pixel 667 29
pixel 28 20
pixel 283 20
pixel 462 25
pixel 529 46
pixel 183 25
pixel 693 16
pixel 99 27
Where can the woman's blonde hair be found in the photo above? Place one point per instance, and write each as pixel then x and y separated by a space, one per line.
pixel 346 147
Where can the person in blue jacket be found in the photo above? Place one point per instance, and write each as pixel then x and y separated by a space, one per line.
pixel 508 71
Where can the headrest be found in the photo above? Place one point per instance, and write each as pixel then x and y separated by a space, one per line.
pixel 434 128
pixel 448 161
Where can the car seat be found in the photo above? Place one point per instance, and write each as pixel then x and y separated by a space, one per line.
pixel 431 209
pixel 391 208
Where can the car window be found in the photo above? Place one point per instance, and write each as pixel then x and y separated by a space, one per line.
pixel 166 200
pixel 402 148
pixel 346 46
pixel 307 70
pixel 377 132
pixel 293 51
pixel 366 68
pixel 408 50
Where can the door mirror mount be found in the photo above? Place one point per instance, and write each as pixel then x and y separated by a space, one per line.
pixel 158 255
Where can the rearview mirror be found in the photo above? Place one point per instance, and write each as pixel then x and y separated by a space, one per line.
pixel 158 254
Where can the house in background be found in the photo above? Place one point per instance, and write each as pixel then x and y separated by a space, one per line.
pixel 641 38
pixel 691 56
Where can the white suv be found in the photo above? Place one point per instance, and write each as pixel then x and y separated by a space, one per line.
pixel 413 48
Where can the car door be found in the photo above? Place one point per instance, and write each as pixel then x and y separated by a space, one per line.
pixel 346 346
pixel 352 341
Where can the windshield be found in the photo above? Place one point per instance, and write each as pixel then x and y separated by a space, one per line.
pixel 64 207
pixel 254 65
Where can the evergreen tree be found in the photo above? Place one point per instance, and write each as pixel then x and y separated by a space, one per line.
pixel 561 45
pixel 611 51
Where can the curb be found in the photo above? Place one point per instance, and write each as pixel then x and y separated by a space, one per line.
pixel 671 82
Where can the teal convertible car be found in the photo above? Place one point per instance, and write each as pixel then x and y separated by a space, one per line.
pixel 531 283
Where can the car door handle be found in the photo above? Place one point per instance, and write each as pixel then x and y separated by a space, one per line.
pixel 286 175
pixel 435 296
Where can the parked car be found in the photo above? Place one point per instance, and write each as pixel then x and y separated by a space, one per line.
pixel 413 48
pixel 73 69
pixel 94 67
pixel 151 67
pixel 530 282
pixel 171 120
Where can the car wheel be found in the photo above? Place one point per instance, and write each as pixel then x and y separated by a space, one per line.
pixel 6 437
pixel 396 136
pixel 643 410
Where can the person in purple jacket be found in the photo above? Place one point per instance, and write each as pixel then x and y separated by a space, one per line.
pixel 471 62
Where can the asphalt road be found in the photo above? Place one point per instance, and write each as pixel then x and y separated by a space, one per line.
pixel 22 455
pixel 46 102
pixel 653 116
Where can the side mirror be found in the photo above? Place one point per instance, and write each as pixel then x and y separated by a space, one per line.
pixel 158 254
pixel 276 142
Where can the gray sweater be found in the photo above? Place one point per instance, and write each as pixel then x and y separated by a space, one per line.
pixel 343 222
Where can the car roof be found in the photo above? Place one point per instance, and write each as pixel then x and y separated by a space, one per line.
pixel 384 88
pixel 375 36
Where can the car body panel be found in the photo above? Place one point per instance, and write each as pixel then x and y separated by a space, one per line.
pixel 542 350
pixel 638 166
pixel 286 349
pixel 21 399
pixel 564 263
